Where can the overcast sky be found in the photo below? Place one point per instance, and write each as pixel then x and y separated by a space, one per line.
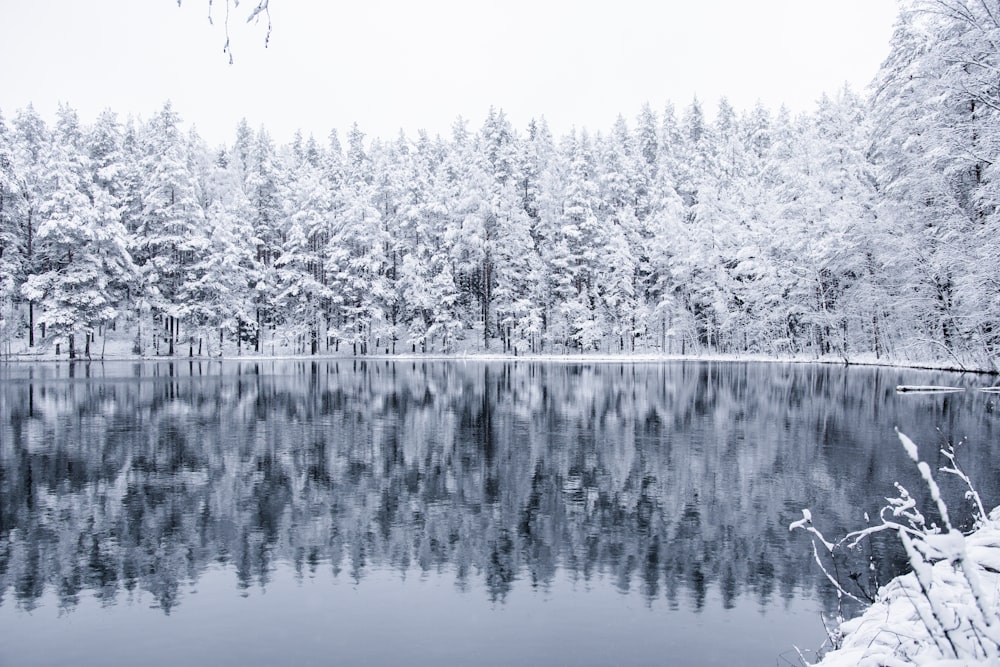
pixel 410 64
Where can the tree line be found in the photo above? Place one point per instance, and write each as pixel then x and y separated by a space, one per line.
pixel 864 228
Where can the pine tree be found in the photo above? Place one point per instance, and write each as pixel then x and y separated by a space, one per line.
pixel 224 289
pixel 355 259
pixel 503 232
pixel 302 281
pixel 171 226
pixel 11 257
pixel 30 141
pixel 626 190
pixel 427 280
pixel 112 190
pixel 262 185
pixel 573 257
pixel 80 242
pixel 390 169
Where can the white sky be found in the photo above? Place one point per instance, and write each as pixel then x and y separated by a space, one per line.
pixel 410 64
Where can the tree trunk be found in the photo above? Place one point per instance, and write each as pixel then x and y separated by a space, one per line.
pixel 31 304
pixel 260 332
pixel 877 341
pixel 72 346
pixel 487 297
pixel 486 325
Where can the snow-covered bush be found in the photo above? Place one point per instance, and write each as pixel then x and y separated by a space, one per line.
pixel 944 611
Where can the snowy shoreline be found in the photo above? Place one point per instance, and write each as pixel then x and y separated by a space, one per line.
pixel 892 631
pixel 118 356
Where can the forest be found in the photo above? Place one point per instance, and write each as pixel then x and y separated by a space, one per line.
pixel 866 229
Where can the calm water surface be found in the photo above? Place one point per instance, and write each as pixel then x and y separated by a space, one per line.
pixel 446 513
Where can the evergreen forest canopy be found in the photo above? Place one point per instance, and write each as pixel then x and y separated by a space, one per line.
pixel 866 228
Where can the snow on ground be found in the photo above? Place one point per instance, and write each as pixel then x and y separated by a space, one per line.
pixel 120 348
pixel 894 630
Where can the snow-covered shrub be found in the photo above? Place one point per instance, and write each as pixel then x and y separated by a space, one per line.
pixel 942 612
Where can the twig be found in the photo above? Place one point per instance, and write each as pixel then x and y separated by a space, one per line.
pixel 934 622
pixel 840 589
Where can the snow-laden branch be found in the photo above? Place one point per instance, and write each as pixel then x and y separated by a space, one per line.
pixel 944 611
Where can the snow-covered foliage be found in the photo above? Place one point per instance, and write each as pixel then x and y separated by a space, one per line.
pixel 944 611
pixel 866 228
pixel 907 624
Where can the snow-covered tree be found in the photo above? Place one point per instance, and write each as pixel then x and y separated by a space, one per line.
pixel 11 257
pixel 171 226
pixel 30 142
pixel 81 243
pixel 302 294
pixel 868 226
pixel 936 142
pixel 355 254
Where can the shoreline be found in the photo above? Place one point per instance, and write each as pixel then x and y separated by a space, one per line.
pixel 492 357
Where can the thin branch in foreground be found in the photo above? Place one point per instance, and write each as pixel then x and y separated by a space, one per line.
pixel 944 607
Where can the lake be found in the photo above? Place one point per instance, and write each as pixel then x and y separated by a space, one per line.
pixel 449 513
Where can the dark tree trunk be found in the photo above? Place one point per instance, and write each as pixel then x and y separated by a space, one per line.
pixel 260 330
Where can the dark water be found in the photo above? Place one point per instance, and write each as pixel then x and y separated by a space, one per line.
pixel 446 513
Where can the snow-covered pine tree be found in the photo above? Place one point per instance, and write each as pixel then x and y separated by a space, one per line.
pixel 839 247
pixel 506 244
pixel 113 180
pixel 11 257
pixel 262 185
pixel 31 138
pixel 431 289
pixel 171 225
pixel 302 282
pixel 390 174
pixel 625 181
pixel 81 245
pixel 355 257
pixel 573 263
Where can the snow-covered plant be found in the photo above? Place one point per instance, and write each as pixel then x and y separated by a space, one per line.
pixel 945 608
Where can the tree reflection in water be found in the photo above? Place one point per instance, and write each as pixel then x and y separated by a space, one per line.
pixel 672 479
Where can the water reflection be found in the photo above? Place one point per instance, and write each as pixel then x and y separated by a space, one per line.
pixel 673 480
